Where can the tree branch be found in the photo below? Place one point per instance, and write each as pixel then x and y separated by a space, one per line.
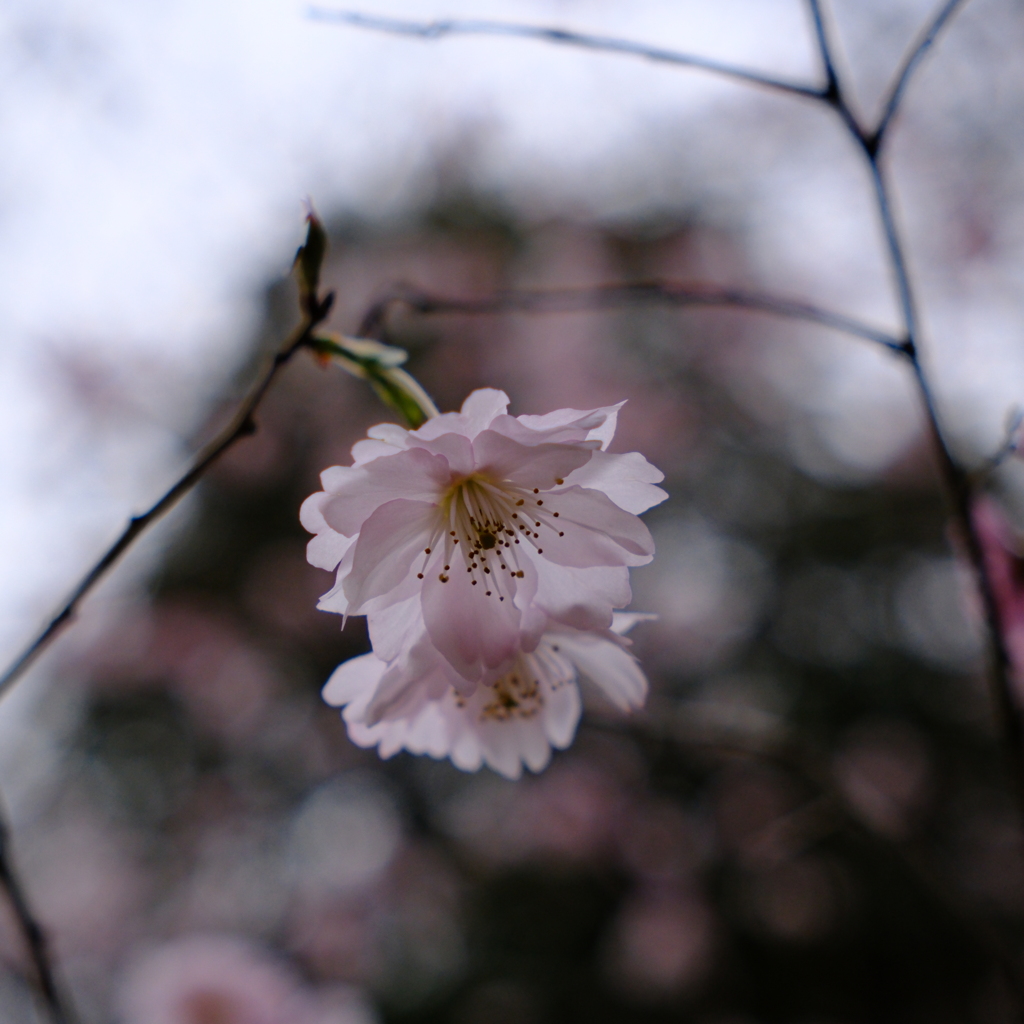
pixel 35 938
pixel 911 59
pixel 564 37
pixel 610 296
pixel 834 95
pixel 956 480
pixel 241 425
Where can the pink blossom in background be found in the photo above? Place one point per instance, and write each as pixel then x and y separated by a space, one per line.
pixel 662 943
pixel 514 716
pixel 485 526
pixel 568 815
pixel 1004 559
pixel 207 979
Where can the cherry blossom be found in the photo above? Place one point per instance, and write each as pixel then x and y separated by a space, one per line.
pixel 493 525
pixel 513 717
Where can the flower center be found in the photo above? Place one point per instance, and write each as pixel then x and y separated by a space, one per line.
pixel 515 695
pixel 485 524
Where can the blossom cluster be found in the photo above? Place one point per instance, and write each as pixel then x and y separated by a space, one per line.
pixel 489 554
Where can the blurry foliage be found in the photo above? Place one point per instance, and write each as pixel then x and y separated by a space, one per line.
pixel 645 876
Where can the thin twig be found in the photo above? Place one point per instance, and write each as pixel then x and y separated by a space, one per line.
pixel 241 425
pixel 58 1004
pixel 567 300
pixel 565 37
pixel 907 67
pixel 956 479
pixel 1010 446
pixel 894 245
pixel 834 95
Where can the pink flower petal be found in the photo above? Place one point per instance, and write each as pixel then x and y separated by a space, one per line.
pixel 562 715
pixel 384 553
pixel 352 679
pixel 614 670
pixel 472 631
pixel 328 547
pixel 397 627
pixel 563 426
pixel 581 598
pixel 456 449
pixel 627 479
pixel 539 466
pixel 369 449
pixel 406 685
pixel 413 475
pixel 482 406
pixel 597 531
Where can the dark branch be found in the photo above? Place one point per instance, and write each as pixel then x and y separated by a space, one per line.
pixel 1010 446
pixel 910 62
pixel 565 37
pixel 240 426
pixel 834 93
pixel 824 49
pixel 610 296
pixel 32 932
pixel 897 258
pixel 958 483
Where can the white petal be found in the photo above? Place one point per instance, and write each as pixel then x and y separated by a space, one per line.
pixel 501 750
pixel 413 475
pixel 472 631
pixel 446 423
pixel 429 732
pixel 326 550
pixel 388 737
pixel 627 479
pixel 614 670
pixel 526 465
pixel 482 406
pixel 457 451
pixel 534 748
pixel 391 434
pixel 581 598
pixel 396 628
pixel 383 554
pixel 623 622
pixel 353 679
pixel 467 751
pixel 335 477
pixel 606 431
pixel 562 714
pixel 596 531
pixel 369 449
pixel 565 426
pixel 328 547
pixel 407 683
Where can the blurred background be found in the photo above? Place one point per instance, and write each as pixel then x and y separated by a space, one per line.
pixel 810 822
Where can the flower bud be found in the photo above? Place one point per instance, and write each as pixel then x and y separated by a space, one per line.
pixel 380 365
pixel 310 257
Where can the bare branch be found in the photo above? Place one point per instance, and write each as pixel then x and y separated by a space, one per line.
pixel 32 933
pixel 824 49
pixel 242 425
pixel 1012 440
pixel 958 482
pixel 834 93
pixel 910 62
pixel 565 37
pixel 610 296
